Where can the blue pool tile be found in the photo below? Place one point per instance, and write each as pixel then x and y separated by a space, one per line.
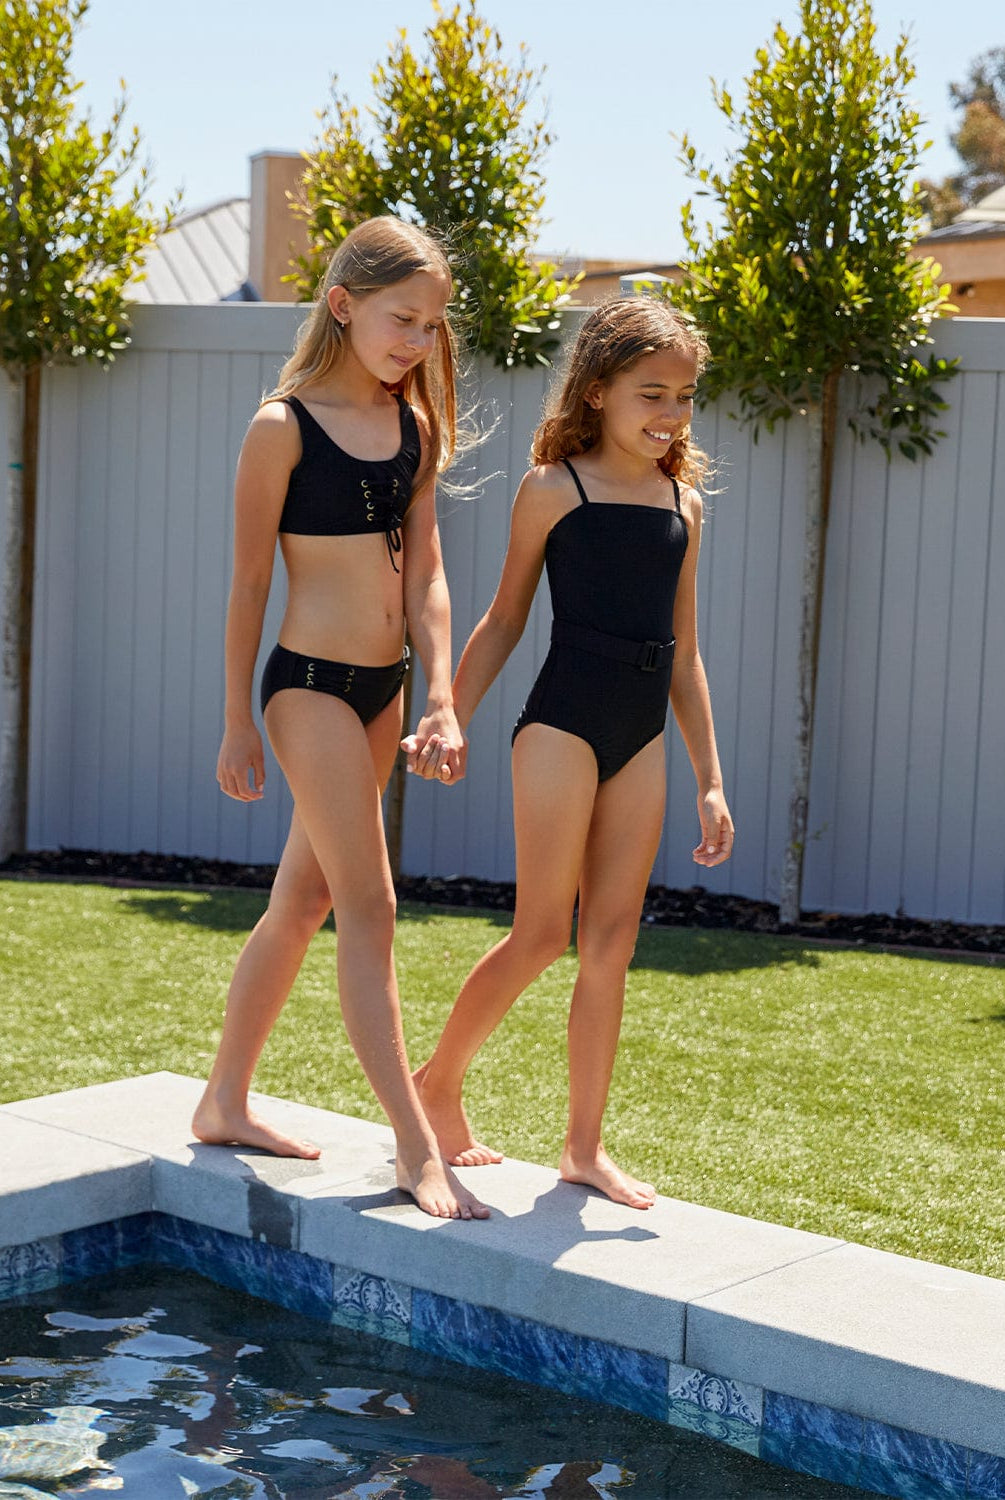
pixel 934 1457
pixel 887 1478
pixel 29 1268
pixel 621 1377
pixel 986 1476
pixel 808 1455
pixel 101 1248
pixel 299 1282
pixel 793 1417
pixel 302 1283
pixel 455 1330
pixel 372 1304
pixel 535 1352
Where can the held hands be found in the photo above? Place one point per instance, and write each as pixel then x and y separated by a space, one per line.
pixel 438 750
pixel 716 830
pixel 240 752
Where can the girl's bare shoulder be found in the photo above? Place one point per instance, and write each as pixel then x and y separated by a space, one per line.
pixel 273 434
pixel 546 491
pixel 691 508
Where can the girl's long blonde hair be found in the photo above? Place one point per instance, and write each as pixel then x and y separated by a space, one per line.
pixel 379 253
pixel 614 337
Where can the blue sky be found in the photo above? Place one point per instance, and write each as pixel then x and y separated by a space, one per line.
pixel 212 82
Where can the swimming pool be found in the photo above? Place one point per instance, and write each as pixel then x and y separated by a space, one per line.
pixel 156 1383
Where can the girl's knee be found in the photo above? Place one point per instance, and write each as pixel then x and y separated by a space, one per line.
pixel 609 944
pixel 544 942
pixel 373 910
pixel 302 913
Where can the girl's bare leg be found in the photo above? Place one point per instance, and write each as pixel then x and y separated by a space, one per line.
pixel 265 973
pixel 330 766
pixel 622 844
pixel 263 978
pixel 554 786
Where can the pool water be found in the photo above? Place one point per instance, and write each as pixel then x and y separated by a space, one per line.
pixel 155 1384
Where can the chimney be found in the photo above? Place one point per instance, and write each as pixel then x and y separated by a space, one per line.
pixel 276 236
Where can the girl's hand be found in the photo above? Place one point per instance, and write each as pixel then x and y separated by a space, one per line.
pixel 240 752
pixel 438 750
pixel 716 830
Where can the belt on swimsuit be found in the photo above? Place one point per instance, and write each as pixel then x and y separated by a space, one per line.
pixel 648 656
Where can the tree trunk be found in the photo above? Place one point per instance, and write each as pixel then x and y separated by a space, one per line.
pixel 22 475
pixel 396 787
pixel 821 419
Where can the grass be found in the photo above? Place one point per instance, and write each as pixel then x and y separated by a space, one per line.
pixel 853 1093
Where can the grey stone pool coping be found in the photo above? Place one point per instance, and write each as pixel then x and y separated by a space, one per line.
pixel 901 1342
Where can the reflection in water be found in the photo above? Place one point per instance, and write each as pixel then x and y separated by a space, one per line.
pixel 153 1383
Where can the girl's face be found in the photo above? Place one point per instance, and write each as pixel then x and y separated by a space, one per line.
pixel 394 329
pixel 644 408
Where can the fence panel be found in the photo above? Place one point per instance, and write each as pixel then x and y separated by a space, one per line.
pixel 134 541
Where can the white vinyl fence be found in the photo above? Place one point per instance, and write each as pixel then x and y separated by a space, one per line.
pixel 908 797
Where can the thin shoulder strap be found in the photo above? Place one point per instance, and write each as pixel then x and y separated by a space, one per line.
pixel 577 482
pixel 676 493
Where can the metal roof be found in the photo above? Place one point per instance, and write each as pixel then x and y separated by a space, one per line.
pixel 202 258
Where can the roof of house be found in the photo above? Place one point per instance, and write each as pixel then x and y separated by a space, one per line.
pixel 982 220
pixel 202 258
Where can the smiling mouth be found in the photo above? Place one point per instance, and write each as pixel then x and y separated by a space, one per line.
pixel 659 437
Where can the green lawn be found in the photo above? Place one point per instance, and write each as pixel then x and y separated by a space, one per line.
pixel 853 1093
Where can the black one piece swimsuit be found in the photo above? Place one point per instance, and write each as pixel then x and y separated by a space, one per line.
pixel 612 571
pixel 331 493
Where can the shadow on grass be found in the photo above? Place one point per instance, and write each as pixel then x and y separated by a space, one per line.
pixel 238 911
pixel 673 950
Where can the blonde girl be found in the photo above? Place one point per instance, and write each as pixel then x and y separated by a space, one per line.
pixel 340 463
pixel 612 510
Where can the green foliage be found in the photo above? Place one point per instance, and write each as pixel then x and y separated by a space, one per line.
pixel 69 242
pixel 979 140
pixel 448 145
pixel 810 274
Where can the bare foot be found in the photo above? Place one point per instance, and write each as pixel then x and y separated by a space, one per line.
pixel 453 1132
pixel 602 1174
pixel 436 1190
pixel 217 1127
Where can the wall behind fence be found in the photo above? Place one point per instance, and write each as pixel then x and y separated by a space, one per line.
pixel 906 809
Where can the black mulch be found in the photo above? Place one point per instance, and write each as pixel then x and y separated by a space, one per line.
pixel 694 907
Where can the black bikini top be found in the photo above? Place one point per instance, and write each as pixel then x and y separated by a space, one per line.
pixel 331 493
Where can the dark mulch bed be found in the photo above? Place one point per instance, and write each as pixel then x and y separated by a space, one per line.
pixel 694 907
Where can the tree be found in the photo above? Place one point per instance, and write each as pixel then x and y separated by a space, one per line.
pixel 979 140
pixel 449 146
pixel 70 243
pixel 809 280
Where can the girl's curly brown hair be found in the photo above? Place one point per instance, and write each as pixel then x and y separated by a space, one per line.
pixel 614 337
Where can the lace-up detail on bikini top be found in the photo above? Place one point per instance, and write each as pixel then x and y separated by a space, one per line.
pixel 331 493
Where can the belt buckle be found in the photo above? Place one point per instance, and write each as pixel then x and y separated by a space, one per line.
pixel 649 657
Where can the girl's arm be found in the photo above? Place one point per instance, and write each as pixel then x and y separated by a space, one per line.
pixel 437 740
pixel 268 454
pixel 692 707
pixel 540 500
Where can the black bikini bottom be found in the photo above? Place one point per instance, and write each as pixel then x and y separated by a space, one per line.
pixel 368 690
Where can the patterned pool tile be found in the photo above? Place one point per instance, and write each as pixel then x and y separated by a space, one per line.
pixel 29 1268
pixel 727 1410
pixel 534 1352
pixel 372 1304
